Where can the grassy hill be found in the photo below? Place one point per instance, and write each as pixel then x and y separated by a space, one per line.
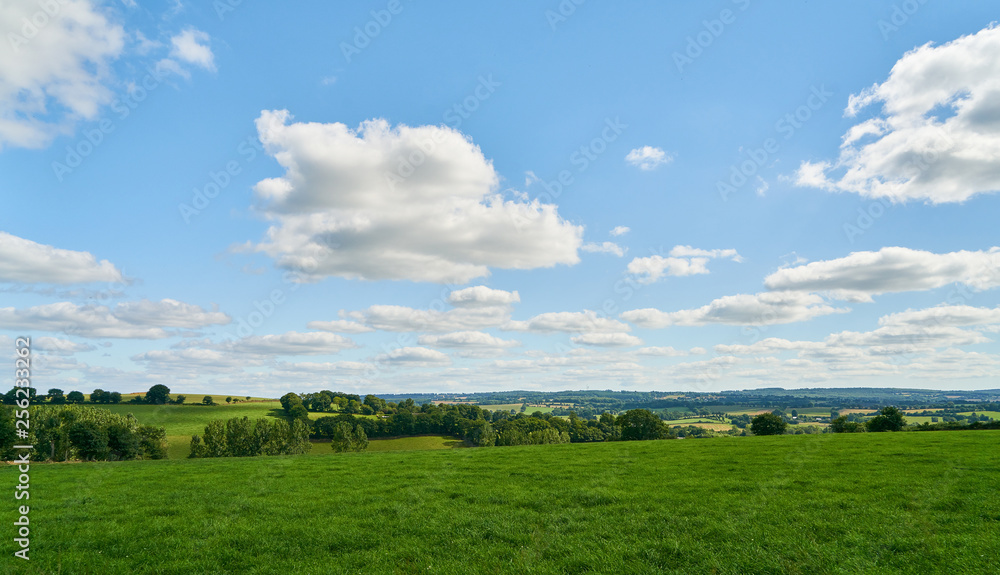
pixel 820 504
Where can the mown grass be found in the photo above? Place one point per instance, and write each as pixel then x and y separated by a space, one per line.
pixel 191 419
pixel 808 504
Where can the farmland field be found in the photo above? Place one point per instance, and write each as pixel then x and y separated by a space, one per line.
pixel 784 504
pixel 990 414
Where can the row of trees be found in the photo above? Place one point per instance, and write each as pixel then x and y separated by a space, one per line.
pixel 888 419
pixel 63 433
pixel 499 428
pixel 241 437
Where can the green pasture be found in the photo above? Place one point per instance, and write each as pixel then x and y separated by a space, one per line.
pixel 882 503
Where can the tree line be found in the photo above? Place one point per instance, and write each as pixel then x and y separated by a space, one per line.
pixel 68 432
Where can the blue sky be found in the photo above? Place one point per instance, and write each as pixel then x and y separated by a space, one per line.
pixel 393 196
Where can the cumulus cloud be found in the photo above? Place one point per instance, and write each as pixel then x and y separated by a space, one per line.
pixel 467 339
pixel 53 75
pixel 191 46
pixel 381 202
pixel 25 261
pixel 683 261
pixel 937 138
pixel 944 315
pixel 765 308
pixel 290 343
pixel 402 318
pixel 56 346
pixel 620 231
pixel 414 357
pixel 586 321
pixel 340 326
pixel 648 157
pixel 860 275
pixel 617 339
pixel 604 248
pixel 662 351
pixel 482 296
pixel 140 320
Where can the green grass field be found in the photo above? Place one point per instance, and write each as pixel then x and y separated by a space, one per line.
pixel 990 414
pixel 897 503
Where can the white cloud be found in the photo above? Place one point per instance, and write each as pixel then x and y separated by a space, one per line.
pixel 620 231
pixel 401 318
pixel 168 313
pixel 944 315
pixel 414 357
pixel 661 352
pixel 53 75
pixel 139 320
pixel 191 46
pixel 938 136
pixel 860 275
pixel 467 339
pixel 604 248
pixel 25 261
pixel 373 203
pixel 766 346
pixel 340 326
pixel 683 261
pixel 482 296
pixel 586 321
pixel 648 157
pixel 56 346
pixel 607 339
pixel 765 308
pixel 290 343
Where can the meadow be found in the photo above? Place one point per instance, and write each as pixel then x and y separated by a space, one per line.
pixel 182 421
pixel 806 504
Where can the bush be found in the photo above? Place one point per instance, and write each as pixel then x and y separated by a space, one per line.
pixel 768 424
pixel 889 419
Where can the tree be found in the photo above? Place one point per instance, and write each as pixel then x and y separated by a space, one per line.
pixel 158 394
pixel 123 443
pixel 843 425
pixel 290 400
pixel 56 396
pixel 114 397
pixel 768 424
pixel 298 411
pixel 889 419
pixel 75 397
pixel 346 437
pixel 376 403
pixel 229 399
pixel 207 400
pixel 180 399
pixel 642 424
pixel 90 441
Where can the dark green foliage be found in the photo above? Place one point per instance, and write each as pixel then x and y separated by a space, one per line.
pixel 56 396
pixel 123 443
pixel 159 394
pixel 768 424
pixel 243 437
pixel 641 424
pixel 345 437
pixel 89 440
pixel 844 425
pixel 75 397
pixel 207 400
pixel 290 400
pixel 888 419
